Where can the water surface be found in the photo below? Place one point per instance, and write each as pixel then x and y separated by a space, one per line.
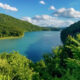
pixel 33 44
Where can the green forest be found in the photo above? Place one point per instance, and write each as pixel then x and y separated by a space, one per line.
pixel 71 30
pixel 62 64
pixel 12 27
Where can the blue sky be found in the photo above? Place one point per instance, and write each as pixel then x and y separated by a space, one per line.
pixel 43 12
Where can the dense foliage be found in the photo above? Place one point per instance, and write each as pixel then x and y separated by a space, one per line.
pixel 15 67
pixel 10 26
pixel 62 64
pixel 72 30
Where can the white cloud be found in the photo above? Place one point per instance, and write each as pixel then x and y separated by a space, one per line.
pixel 67 13
pixel 27 19
pixel 42 2
pixel 8 7
pixel 46 21
pixel 52 8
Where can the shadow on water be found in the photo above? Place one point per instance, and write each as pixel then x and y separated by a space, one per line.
pixel 36 50
pixel 33 44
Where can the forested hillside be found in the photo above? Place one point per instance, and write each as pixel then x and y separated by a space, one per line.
pixel 10 26
pixel 71 30
pixel 62 64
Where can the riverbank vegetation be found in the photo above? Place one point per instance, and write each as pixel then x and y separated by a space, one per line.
pixel 72 30
pixel 62 64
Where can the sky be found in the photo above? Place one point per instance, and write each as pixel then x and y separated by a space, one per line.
pixel 47 13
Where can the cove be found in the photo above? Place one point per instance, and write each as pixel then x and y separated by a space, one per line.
pixel 33 44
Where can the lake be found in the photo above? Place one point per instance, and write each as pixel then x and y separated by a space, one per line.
pixel 33 44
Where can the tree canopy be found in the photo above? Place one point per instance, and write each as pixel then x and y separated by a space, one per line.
pixel 71 30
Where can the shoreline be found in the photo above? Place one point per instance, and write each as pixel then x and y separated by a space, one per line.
pixel 12 37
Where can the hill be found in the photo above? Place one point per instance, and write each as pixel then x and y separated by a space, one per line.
pixel 12 27
pixel 71 30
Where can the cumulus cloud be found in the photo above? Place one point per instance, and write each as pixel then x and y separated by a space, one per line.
pixel 48 21
pixel 52 8
pixel 67 13
pixel 8 7
pixel 42 2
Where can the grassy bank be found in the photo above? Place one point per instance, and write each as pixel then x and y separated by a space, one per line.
pixel 12 37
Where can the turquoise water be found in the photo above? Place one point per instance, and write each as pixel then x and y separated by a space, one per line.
pixel 33 44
